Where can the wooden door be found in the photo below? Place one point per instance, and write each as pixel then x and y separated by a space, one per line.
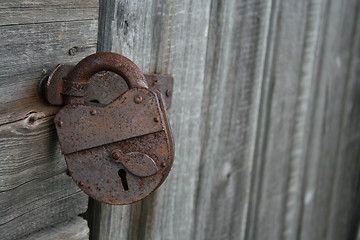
pixel 35 191
pixel 265 115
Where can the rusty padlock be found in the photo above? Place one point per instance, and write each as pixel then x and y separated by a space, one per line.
pixel 121 152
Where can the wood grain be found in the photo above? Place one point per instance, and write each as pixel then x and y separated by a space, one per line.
pixel 203 45
pixel 264 116
pixel 332 187
pixel 169 38
pixel 298 159
pixel 279 165
pixel 35 191
pixel 74 229
pixel 232 87
pixel 29 52
pixel 30 12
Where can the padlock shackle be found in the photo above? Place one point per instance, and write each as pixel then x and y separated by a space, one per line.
pixel 108 61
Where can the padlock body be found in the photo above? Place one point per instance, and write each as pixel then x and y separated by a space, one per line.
pixel 89 134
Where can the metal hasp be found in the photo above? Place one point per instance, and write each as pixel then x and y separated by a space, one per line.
pixel 117 152
pixel 51 87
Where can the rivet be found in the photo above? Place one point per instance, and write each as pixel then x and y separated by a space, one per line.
pixel 168 92
pixel 138 99
pixel 93 112
pixel 81 184
pixel 115 155
pixel 163 165
pixel 72 51
pixel 156 119
pixel 60 123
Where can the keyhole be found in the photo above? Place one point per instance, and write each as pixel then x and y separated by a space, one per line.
pixel 122 175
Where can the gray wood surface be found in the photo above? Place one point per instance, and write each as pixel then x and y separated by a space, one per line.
pixel 35 36
pixel 45 11
pixel 306 181
pixel 74 229
pixel 215 51
pixel 31 51
pixel 161 37
pixel 265 117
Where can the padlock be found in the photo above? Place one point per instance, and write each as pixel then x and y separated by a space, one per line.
pixel 121 152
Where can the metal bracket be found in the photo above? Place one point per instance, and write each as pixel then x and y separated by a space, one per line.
pixel 103 88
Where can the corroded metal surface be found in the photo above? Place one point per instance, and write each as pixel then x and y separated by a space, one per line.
pixel 104 87
pixel 119 152
pixel 88 126
pixel 108 61
pixel 113 84
pixel 162 83
pixel 52 86
pixel 97 173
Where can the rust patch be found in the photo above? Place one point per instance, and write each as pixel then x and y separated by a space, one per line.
pixel 121 151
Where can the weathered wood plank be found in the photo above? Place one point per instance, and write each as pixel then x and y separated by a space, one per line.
pixel 344 216
pixel 35 191
pixel 29 50
pixel 232 88
pixel 203 46
pixel 331 197
pixel 170 38
pixel 74 229
pixel 30 151
pixel 35 36
pixel 278 167
pixel 181 52
pixel 258 116
pixel 28 12
pixel 302 115
pixel 113 222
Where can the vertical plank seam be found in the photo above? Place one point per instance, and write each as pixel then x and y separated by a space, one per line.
pixel 262 124
pixel 342 126
pixel 158 43
pixel 315 75
pixel 104 43
pixel 94 213
pixel 200 175
pixel 317 84
pixel 262 46
pixel 296 168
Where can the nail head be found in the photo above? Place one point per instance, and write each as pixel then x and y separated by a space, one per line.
pixel 72 51
pixel 138 99
pixel 168 92
pixel 60 123
pixel 115 155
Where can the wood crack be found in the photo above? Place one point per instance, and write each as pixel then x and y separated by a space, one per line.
pixel 49 22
